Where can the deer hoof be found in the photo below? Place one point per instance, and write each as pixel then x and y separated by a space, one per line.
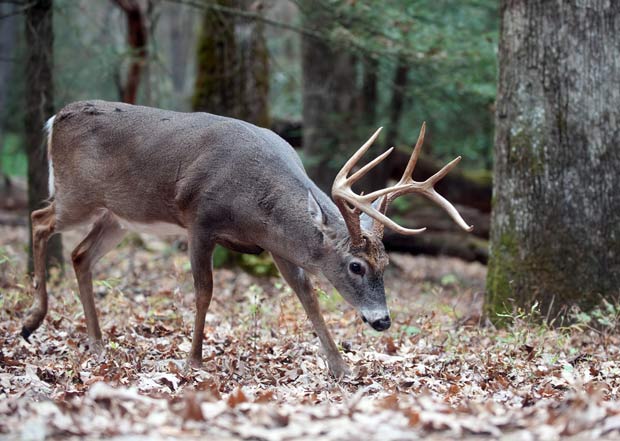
pixel 26 333
pixel 96 347
pixel 340 371
pixel 193 363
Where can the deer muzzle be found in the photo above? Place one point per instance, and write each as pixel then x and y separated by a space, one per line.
pixel 378 322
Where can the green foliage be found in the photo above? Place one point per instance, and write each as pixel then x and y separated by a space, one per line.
pixel 12 157
pixel 451 54
pixel 258 265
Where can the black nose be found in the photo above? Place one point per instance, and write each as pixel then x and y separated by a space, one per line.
pixel 382 324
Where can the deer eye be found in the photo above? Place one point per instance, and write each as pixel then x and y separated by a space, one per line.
pixel 356 268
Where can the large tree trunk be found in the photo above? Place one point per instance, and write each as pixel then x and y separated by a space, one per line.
pixel 329 101
pixel 555 235
pixel 39 107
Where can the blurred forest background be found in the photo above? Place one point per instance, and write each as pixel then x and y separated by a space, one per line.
pixel 514 334
pixel 527 88
pixel 322 74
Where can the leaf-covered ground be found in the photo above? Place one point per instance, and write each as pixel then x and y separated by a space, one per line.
pixel 438 373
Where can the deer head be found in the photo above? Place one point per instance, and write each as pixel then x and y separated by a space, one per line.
pixel 361 253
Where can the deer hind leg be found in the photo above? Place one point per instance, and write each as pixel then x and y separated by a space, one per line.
pixel 297 278
pixel 201 252
pixel 105 234
pixel 43 227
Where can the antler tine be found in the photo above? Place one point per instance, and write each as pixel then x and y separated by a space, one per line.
pixel 344 196
pixel 380 217
pixel 408 185
pixel 413 160
pixel 365 169
pixel 346 168
pixel 449 208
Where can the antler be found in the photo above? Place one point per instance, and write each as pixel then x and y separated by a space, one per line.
pixel 351 204
pixel 408 185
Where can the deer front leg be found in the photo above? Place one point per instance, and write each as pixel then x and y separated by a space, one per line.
pixel 201 252
pixel 297 278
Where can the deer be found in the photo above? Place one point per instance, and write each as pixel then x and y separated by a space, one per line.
pixel 218 180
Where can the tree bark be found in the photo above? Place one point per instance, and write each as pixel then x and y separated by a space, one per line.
pixel 215 85
pixel 39 107
pixel 8 34
pixel 233 66
pixel 555 234
pixel 253 60
pixel 181 41
pixel 370 92
pixel 379 176
pixel 136 40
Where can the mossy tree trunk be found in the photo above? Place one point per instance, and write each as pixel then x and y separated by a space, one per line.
pixel 555 234
pixel 216 63
pixel 233 65
pixel 39 107
pixel 253 56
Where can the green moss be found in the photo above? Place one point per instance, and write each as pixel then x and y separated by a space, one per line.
pixel 213 81
pixel 523 146
pixel 499 277
pixel 482 177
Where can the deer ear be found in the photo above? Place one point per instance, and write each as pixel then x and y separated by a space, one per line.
pixel 318 216
pixel 367 221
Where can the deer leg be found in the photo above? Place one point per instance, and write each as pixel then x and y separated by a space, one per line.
pixel 297 278
pixel 43 226
pixel 105 234
pixel 201 252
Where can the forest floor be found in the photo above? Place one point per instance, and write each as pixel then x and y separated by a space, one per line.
pixel 440 371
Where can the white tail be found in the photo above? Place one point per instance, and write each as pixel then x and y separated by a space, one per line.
pixel 49 129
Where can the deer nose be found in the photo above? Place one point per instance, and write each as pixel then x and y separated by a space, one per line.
pixel 382 324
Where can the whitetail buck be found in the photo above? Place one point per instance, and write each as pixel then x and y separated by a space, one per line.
pixel 219 181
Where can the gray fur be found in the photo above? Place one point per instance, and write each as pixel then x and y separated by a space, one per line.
pixel 223 180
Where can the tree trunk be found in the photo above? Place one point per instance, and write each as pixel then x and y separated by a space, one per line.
pixel 233 66
pixel 8 34
pixel 181 41
pixel 329 98
pixel 136 40
pixel 215 86
pixel 253 74
pixel 39 107
pixel 370 92
pixel 379 176
pixel 555 234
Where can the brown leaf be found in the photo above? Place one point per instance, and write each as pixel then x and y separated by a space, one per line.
pixel 390 346
pixel 192 410
pixel 390 402
pixel 236 398
pixel 265 397
pixel 412 416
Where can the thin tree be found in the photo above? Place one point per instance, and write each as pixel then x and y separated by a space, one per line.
pixel 137 42
pixel 39 107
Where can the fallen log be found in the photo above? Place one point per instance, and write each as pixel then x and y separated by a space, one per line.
pixel 461 245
